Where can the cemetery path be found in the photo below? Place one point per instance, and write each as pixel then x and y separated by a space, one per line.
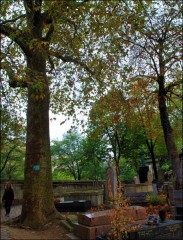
pixel 53 231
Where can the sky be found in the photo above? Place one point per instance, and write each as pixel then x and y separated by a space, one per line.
pixel 57 130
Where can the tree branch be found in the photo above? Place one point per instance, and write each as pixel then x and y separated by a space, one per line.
pixel 14 20
pixel 171 86
pixel 49 33
pixel 29 7
pixel 51 64
pixel 17 36
pixel 7 158
pixel 13 78
pixel 37 11
pixel 74 60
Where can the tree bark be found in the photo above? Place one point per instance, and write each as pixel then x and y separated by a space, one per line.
pixel 117 168
pixel 38 205
pixel 168 134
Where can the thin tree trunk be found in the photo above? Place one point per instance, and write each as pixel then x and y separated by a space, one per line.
pixel 168 134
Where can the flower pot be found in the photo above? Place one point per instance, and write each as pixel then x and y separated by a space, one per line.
pixel 143 171
pixel 162 215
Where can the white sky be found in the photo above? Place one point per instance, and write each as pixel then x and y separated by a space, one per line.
pixel 57 130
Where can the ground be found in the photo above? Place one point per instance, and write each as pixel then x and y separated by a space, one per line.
pixel 54 231
pixel 10 231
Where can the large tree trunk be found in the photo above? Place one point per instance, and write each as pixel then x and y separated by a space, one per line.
pixel 168 134
pixel 38 206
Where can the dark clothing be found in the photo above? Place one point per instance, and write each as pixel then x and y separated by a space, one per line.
pixel 8 198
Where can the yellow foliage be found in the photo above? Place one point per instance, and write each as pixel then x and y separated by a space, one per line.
pixel 121 223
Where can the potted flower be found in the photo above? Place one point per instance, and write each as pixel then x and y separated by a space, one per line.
pixel 162 215
pixel 143 172
pixel 159 204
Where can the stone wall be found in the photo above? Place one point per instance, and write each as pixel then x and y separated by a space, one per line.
pixel 70 190
pixel 137 188
pixel 95 191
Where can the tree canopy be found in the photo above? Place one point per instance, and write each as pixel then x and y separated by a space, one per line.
pixel 62 55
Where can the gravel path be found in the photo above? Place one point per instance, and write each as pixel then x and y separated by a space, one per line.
pixel 15 212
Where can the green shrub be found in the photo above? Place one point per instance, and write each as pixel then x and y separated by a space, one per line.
pixel 156 200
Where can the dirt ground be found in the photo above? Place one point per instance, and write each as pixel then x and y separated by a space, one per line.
pixel 11 231
pixel 54 231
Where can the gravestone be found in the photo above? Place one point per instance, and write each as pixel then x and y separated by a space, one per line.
pixel 177 204
pixel 91 225
pixel 137 199
pixel 111 180
pixel 170 229
pixel 136 180
pixel 154 186
pixel 143 170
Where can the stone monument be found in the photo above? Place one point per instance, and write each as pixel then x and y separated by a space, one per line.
pixel 111 180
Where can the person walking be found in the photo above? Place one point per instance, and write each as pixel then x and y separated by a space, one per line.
pixel 8 198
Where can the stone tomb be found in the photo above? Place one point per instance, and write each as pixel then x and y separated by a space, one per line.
pixel 138 199
pixel 90 225
pixel 73 206
pixel 170 230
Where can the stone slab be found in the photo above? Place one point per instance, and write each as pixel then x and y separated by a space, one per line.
pixel 137 198
pixel 72 219
pixel 71 236
pixel 73 206
pixel 90 233
pixel 169 230
pixel 104 217
pixel 95 218
pixel 66 225
pixel 141 213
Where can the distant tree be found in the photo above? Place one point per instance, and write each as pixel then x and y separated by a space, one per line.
pixel 12 141
pixel 96 150
pixel 109 115
pixel 81 157
pixel 68 154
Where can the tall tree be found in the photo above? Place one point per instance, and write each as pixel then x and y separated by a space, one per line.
pixel 109 115
pixel 146 115
pixel 152 39
pixel 40 37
